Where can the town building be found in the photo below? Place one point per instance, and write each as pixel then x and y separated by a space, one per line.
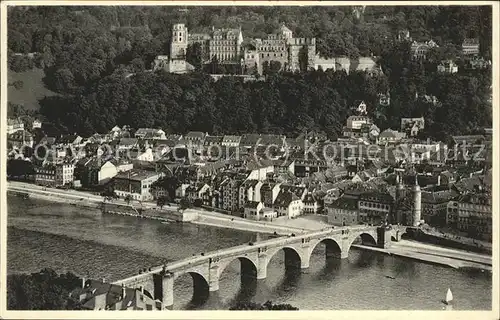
pixel 477 63
pixel 472 214
pixel 287 204
pixel 307 167
pixel 384 99
pixel 149 133
pixel 434 206
pixel 404 35
pixel 231 141
pixel 311 204
pixel 14 125
pixel 36 124
pixel 196 192
pixel 470 46
pixel 419 49
pixel 269 191
pixel 259 170
pixel 390 136
pixel 64 173
pixel 94 171
pixel 249 191
pixel 229 193
pixel 447 66
pixel 45 175
pixel 255 210
pixel 412 126
pixel 54 174
pixel 343 212
pixel 136 184
pixel 355 122
pixel 374 207
pixel 100 295
pixel 19 139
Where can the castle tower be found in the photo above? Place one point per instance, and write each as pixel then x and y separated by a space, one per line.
pixel 179 43
pixel 417 203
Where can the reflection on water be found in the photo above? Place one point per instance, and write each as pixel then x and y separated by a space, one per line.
pixel 88 243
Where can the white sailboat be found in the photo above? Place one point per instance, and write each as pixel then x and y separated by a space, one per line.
pixel 449 297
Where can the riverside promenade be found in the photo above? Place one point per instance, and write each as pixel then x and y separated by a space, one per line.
pixel 151 211
pixel 409 249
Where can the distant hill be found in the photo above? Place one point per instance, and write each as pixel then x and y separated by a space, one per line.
pixel 33 88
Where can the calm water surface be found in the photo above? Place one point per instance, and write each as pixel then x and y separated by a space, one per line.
pixel 87 243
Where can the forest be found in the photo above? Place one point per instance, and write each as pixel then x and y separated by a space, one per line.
pixel 44 290
pixel 87 54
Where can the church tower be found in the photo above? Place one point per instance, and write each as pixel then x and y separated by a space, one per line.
pixel 417 203
pixel 179 43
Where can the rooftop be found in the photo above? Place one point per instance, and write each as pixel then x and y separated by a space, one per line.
pixel 136 175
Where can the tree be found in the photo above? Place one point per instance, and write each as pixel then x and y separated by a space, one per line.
pixel 128 198
pixel 163 200
pixel 137 65
pixel 194 55
pixel 44 290
pixel 184 204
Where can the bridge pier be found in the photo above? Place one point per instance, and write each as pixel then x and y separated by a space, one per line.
pixel 383 237
pixel 304 261
pixel 262 268
pixel 167 291
pixel 213 279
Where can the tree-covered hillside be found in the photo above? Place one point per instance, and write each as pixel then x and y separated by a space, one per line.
pixel 86 53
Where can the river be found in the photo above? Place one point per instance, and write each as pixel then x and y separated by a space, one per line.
pixel 88 243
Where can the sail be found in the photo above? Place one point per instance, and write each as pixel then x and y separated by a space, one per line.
pixel 449 296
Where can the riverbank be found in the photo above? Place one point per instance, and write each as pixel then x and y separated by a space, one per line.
pixel 149 210
pixel 215 219
pixel 431 256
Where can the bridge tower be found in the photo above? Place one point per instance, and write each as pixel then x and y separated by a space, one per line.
pixel 400 194
pixel 417 203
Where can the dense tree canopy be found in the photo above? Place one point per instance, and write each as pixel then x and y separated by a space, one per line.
pixel 287 103
pixel 44 290
pixel 88 52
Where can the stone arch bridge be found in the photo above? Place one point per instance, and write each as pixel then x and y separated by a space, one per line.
pixel 206 269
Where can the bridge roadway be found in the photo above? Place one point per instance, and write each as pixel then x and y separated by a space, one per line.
pixel 254 258
pixel 242 249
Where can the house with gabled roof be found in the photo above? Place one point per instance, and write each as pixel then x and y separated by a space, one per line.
pixel 288 204
pixel 412 126
pixel 100 295
pixel 359 107
pixel 249 191
pixel 311 204
pixel 390 136
pixel 231 141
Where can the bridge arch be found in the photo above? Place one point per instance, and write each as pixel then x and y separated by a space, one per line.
pixel 332 248
pixel 201 287
pixel 293 257
pixel 248 267
pixel 367 238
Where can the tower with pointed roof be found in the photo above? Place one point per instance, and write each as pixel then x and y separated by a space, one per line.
pixel 417 203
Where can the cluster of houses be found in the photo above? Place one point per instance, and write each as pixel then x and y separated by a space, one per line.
pixel 354 179
pixel 470 53
pixel 102 295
